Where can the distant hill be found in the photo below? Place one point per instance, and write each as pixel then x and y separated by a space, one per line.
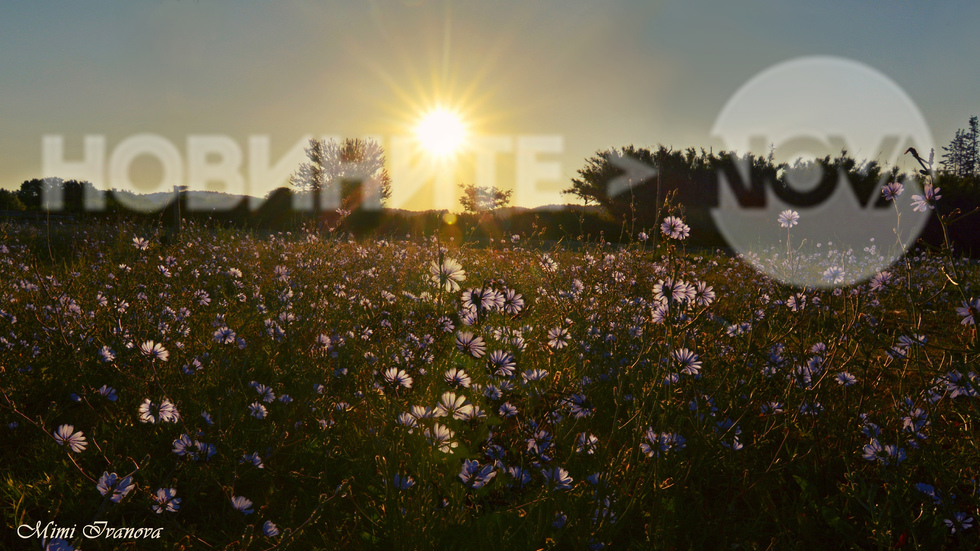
pixel 220 201
pixel 196 200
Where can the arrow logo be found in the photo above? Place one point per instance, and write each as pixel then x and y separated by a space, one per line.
pixel 635 171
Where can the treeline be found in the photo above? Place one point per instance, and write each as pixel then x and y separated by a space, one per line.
pixel 686 180
pixel 285 209
pixel 693 179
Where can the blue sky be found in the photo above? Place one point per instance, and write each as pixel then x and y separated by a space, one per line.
pixel 595 75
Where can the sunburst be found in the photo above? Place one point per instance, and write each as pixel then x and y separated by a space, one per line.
pixel 441 132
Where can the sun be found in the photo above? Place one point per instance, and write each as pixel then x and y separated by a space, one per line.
pixel 441 132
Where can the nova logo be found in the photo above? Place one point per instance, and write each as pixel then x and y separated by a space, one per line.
pixel 811 111
pixel 810 183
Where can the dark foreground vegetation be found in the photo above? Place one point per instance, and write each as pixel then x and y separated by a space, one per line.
pixel 229 390
pixel 585 378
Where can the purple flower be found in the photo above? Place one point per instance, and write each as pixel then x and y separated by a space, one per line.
pixel 560 520
pixel 892 190
pixel 579 406
pixel 450 405
pixel 675 228
pixel 403 482
pixel 960 521
pixel 269 529
pixel 788 218
pixel 118 487
pixel 513 302
pixel 482 300
pixel 166 412
pixel 184 446
pixel 520 476
pixel 470 344
pixel 441 437
pixel 242 504
pixel 258 410
pixel 501 363
pixel 586 443
pixel 872 450
pixel 265 392
pixel 532 375
pixel 704 294
pixel 397 377
pixel 688 361
pixel 457 377
pixel 165 500
pixel 475 476
pixel 447 275
pixel 252 458
pixel 557 337
pixel 834 275
pixel 894 453
pixel 65 434
pixel 224 335
pixel 970 311
pixel 846 379
pixel 58 544
pixel 557 478
pixel 106 354
pixel 928 201
pixel 661 443
pixel 205 450
pixel 154 350
pixel 880 280
pixel 930 491
pixel 108 392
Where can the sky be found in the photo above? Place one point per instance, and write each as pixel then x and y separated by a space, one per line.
pixel 224 94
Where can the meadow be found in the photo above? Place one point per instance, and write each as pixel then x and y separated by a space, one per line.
pixel 228 390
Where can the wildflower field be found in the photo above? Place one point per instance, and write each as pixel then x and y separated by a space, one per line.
pixel 233 391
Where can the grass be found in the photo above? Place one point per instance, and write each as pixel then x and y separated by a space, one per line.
pixel 771 450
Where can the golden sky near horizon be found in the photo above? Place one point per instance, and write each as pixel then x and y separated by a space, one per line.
pixel 223 95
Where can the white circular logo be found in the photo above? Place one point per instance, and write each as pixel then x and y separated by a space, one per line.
pixel 820 227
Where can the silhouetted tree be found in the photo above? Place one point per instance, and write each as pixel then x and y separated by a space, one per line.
pixel 33 191
pixel 691 176
pixel 962 157
pixel 483 199
pixel 343 176
pixel 10 201
pixel 74 195
pixel 973 146
pixel 594 184
pixel 276 212
pixel 57 194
